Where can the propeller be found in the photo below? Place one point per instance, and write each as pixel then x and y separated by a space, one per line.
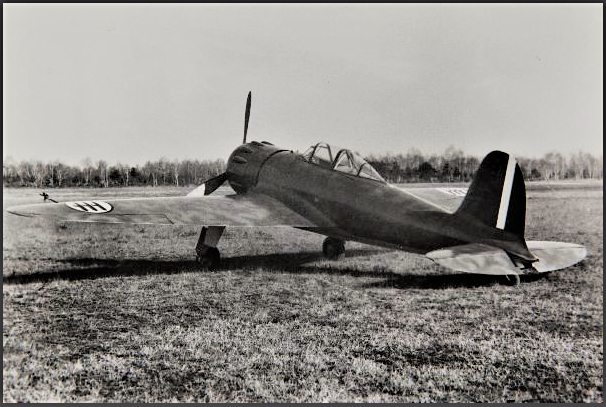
pixel 246 116
pixel 209 186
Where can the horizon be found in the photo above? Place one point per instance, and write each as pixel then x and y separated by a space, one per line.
pixel 7 160
pixel 131 83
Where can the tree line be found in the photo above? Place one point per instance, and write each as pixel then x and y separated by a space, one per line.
pixel 455 166
pixel 451 166
pixel 99 174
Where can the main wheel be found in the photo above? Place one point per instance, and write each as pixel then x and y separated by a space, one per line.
pixel 334 249
pixel 210 259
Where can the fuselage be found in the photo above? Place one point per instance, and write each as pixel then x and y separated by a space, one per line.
pixel 358 209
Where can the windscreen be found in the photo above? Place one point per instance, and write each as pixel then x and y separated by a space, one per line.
pixel 342 160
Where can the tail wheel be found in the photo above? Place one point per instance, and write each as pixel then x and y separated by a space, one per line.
pixel 512 279
pixel 210 259
pixel 334 249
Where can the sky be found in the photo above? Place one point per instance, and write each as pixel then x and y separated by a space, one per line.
pixel 131 83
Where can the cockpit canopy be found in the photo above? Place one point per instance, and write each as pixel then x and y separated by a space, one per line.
pixel 340 159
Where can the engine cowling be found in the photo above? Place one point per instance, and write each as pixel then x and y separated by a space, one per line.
pixel 245 162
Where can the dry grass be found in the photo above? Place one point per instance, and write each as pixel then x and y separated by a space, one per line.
pixel 106 313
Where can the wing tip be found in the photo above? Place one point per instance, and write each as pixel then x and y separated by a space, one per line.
pixel 19 211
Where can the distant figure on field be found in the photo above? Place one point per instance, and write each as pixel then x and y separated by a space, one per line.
pixel 46 197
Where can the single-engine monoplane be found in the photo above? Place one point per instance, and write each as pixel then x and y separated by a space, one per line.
pixel 333 191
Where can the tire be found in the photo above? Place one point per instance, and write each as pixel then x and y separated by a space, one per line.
pixel 333 249
pixel 210 260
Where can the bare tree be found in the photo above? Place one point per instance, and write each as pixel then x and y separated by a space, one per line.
pixel 163 168
pixel 9 169
pixel 87 165
pixel 148 171
pixel 50 171
pixel 39 174
pixel 580 165
pixel 124 172
pixel 26 172
pixel 103 173
pixel 175 168
pixel 59 172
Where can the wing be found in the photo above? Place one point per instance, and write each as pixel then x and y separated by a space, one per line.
pixel 229 210
pixel 445 198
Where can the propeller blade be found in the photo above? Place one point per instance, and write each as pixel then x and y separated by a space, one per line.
pixel 212 184
pixel 208 187
pixel 246 116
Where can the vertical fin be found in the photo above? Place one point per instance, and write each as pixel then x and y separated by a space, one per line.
pixel 497 195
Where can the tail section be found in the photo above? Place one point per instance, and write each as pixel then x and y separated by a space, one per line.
pixel 485 259
pixel 497 195
pixel 497 198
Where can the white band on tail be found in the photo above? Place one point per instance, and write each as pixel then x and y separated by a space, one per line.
pixel 506 194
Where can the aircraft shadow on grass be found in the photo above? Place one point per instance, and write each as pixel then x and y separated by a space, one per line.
pixel 295 263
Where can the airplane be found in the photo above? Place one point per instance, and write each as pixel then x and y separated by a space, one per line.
pixel 334 192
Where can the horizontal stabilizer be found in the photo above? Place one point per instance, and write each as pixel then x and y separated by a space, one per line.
pixel 555 255
pixel 485 259
pixel 475 258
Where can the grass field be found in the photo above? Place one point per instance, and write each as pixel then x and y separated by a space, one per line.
pixel 115 314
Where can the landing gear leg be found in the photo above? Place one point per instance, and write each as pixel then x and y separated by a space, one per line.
pixel 207 254
pixel 334 249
